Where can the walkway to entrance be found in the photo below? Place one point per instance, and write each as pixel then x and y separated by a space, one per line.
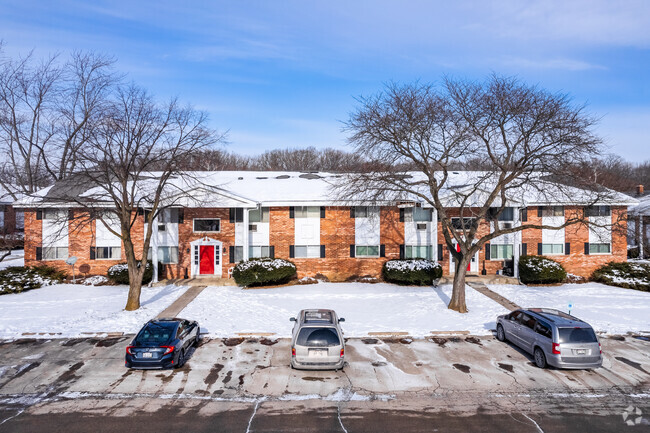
pixel 483 289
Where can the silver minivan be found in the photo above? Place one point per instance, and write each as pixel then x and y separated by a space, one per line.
pixel 552 337
pixel 317 341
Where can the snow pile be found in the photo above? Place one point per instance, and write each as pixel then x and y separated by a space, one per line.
pixel 120 267
pixel 608 309
pixel 71 309
pixel 411 265
pixel 16 258
pixel 382 307
pixel 95 280
pixel 268 264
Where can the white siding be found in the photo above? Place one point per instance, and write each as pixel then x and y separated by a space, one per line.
pixel 553 236
pixel 601 231
pixel 55 231
pixel 413 236
pixel 104 237
pixel 261 236
pixel 367 229
pixel 307 231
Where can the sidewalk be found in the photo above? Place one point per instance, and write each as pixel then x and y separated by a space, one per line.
pixel 483 289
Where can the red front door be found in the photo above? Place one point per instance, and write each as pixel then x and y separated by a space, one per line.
pixel 469 265
pixel 206 259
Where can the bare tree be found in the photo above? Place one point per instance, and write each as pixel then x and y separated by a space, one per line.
pixel 130 161
pixel 522 137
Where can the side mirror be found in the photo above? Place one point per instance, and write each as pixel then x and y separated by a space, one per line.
pixel 341 319
pixel 292 319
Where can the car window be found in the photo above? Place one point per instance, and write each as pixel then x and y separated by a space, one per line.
pixel 514 315
pixel 156 333
pixel 182 327
pixel 318 337
pixel 527 321
pixel 543 329
pixel 577 335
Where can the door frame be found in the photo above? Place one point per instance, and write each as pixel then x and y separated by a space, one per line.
pixel 195 247
pixel 473 265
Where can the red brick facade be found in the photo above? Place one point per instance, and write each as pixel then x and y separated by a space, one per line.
pixel 337 233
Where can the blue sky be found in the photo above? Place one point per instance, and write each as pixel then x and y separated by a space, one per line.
pixel 280 74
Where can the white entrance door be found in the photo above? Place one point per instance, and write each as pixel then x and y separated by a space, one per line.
pixel 472 267
pixel 206 257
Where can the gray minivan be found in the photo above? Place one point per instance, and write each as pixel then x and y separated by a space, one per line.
pixel 317 341
pixel 552 337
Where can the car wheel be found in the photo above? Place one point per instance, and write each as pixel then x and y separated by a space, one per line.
pixel 501 334
pixel 197 340
pixel 540 358
pixel 181 359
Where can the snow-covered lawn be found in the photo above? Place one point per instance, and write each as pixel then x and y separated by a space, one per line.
pixel 71 309
pixel 608 309
pixel 225 311
pixel 16 258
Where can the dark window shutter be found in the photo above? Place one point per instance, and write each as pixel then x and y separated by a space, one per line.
pixel 322 251
pixel 291 212
pixel 322 211
pixel 487 251
pixel 292 252
pixel 39 214
pixel 401 251
pixel 92 253
pixel 539 211
pixel 524 249
pixel 70 214
pixel 586 248
pixel 39 253
pixel 181 216
pixel 352 250
pixel 239 215
pixel 567 248
pixel 140 211
pixel 232 215
pixel 401 215
pixel 352 209
pixel 231 253
pixel 146 214
pixel 382 250
pixel 539 249
pixel 440 258
pixel 272 251
pixel 524 214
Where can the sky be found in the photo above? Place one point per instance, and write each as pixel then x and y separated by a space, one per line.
pixel 285 74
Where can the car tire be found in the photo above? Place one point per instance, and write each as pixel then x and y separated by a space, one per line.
pixel 540 358
pixel 501 333
pixel 197 340
pixel 181 359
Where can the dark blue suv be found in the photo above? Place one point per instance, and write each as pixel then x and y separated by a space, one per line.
pixel 162 343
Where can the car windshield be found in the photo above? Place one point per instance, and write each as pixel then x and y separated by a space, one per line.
pixel 156 333
pixel 577 335
pixel 318 337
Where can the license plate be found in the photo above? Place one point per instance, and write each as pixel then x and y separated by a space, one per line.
pixel 147 355
pixel 581 351
pixel 318 352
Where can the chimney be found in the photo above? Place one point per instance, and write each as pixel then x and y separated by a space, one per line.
pixel 639 190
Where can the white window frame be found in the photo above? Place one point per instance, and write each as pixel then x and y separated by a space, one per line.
pixel 264 215
pixel 552 211
pixel 495 247
pixel 56 254
pixel 429 252
pixel 252 253
pixel 609 244
pixel 553 253
pixel 310 250
pixel 205 219
pixel 306 212
pixel 160 256
pixel 357 254
pixel 112 250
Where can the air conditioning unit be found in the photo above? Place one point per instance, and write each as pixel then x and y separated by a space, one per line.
pixel 252 227
pixel 421 226
pixel 161 227
pixel 507 225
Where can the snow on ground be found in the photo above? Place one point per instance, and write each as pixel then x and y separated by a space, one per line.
pixel 608 309
pixel 74 308
pixel 16 258
pixel 225 311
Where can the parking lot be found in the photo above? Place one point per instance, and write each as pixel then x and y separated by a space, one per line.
pixel 247 385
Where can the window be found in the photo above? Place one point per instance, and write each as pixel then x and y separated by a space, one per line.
pixel 20 220
pixel 168 216
pixel 318 337
pixel 599 248
pixel 361 212
pixel 260 215
pixel 207 225
pixel 55 253
pixel 466 223
pixel 527 321
pixel 168 254
pixel 255 252
pixel 107 253
pixel 307 251
pixel 367 251
pixel 577 335
pixel 252 228
pixel 593 211
pixel 422 214
pixel 418 252
pixel 507 214
pixel 307 212
pixel 552 249
pixel 543 329
pixel 501 252
pixel 239 254
pixel 54 214
pixel 552 211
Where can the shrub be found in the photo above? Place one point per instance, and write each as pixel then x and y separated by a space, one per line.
pixel 419 272
pixel 18 279
pixel 625 274
pixel 540 270
pixel 119 274
pixel 633 252
pixel 263 272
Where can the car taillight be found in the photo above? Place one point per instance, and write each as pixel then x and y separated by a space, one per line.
pixel 293 351
pixel 168 349
pixel 556 349
pixel 129 350
pixel 600 348
pixel 342 352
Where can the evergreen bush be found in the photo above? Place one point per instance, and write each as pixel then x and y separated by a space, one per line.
pixel 628 275
pixel 419 272
pixel 119 274
pixel 263 272
pixel 540 270
pixel 18 279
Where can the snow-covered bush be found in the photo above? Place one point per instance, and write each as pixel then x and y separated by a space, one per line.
pixel 627 275
pixel 263 272
pixel 95 280
pixel 18 279
pixel 540 270
pixel 119 274
pixel 419 272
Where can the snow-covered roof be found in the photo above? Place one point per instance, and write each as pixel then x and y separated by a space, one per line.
pixel 642 208
pixel 6 197
pixel 275 188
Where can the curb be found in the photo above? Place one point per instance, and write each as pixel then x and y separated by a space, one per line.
pixel 254 334
pixel 389 334
pixel 449 332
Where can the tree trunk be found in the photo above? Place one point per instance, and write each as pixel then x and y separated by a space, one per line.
pixel 135 278
pixel 457 302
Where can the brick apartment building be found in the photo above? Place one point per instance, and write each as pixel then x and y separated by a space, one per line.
pixel 233 216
